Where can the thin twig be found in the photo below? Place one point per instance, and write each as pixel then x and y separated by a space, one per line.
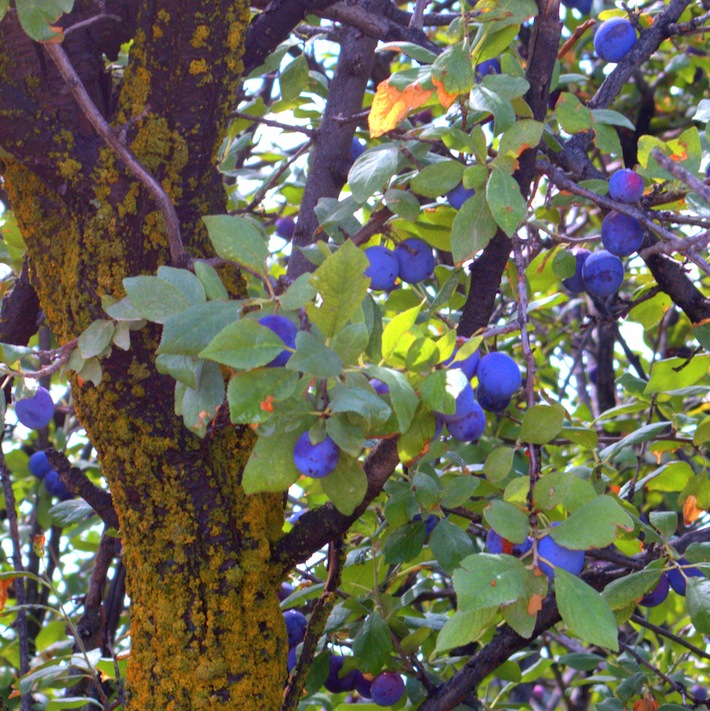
pixel 661 632
pixel 680 173
pixel 272 123
pixel 172 223
pixel 91 21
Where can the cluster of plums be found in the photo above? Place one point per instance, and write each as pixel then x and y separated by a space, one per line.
pixel 674 579
pixel 40 467
pixel 411 260
pixel 601 273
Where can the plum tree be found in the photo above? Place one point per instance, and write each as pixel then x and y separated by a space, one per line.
pixel 384 267
pixel 622 235
pixel 614 38
pixel 416 260
pixel 315 460
pixel 603 273
pixel 626 185
pixel 35 412
pixel 286 330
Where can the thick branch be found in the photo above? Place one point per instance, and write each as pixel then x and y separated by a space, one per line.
pixel 19 312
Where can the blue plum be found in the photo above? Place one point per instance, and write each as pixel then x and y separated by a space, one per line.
pixel 296 624
pixel 285 591
pixel 490 403
pixel 622 235
pixel 575 283
pixel 496 544
pixel 490 66
pixel 626 185
pixel 384 267
pixel 468 365
pixel 679 580
pixel 416 260
pixel 458 196
pixel 614 39
pixel 658 594
pixel 584 6
pixel 603 273
pixel 499 375
pixel 379 387
pixel 387 688
pixel 337 683
pixel 465 404
pixel 292 659
pixel 363 686
pixel 286 330
pixel 469 427
pixel 55 486
pixel 556 555
pixel 39 465
pixel 35 412
pixel 285 227
pixel 357 148
pixel 315 460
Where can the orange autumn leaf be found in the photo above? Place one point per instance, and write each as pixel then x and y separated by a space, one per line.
pixel 4 585
pixel 445 99
pixel 647 704
pixel 391 106
pixel 691 512
pixel 535 604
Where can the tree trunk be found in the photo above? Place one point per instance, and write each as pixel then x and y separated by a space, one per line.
pixel 206 629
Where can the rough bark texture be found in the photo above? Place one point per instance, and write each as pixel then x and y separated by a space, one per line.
pixel 206 628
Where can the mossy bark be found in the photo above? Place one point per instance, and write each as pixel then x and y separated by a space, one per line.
pixel 206 629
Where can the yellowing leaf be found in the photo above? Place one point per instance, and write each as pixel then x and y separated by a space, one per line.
pixel 445 99
pixel 691 512
pixel 391 106
pixel 4 585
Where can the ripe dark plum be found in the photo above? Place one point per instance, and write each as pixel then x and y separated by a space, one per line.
pixel 622 235
pixel 39 465
pixel 496 544
pixel 458 196
pixel 490 66
pixel 678 580
pixel 336 683
pixel 357 148
pixel 614 39
pixel 499 375
pixel 285 227
pixel 286 330
pixel 490 403
pixel 468 365
pixel 35 412
pixel 465 404
pixel 315 460
pixel 296 624
pixel 584 6
pixel 603 273
pixel 292 659
pixel 556 555
pixel 626 185
pixel 55 486
pixel 658 594
pixel 575 283
pixel 387 688
pixel 469 427
pixel 384 267
pixel 380 387
pixel 285 591
pixel 416 260
pixel 363 685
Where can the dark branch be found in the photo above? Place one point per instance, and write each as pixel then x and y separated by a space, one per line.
pixel 19 313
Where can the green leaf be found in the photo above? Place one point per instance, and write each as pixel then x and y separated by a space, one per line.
pixel 402 395
pixel 347 435
pixel 350 343
pixel 489 580
pixel 403 204
pixel 346 486
pixel 498 464
pixel 697 598
pixel 294 78
pixel 244 344
pixel 405 543
pixel 189 331
pixel 665 522
pixel 72 702
pixel 441 388
pixel 473 228
pixel 507 205
pixel 485 98
pixel 342 284
pixel 270 466
pixel 250 393
pixel 450 545
pixel 96 339
pixel 414 442
pixel 572 115
pixel 562 489
pixel 628 590
pixel 642 434
pixel 373 644
pixel 464 627
pixel 66 513
pixel 458 491
pixel 211 283
pixel 312 356
pixel 200 404
pixel 363 403
pixel 438 178
pixel 454 69
pixel 585 612
pixel 396 328
pixel 186 282
pixel 581 661
pixel 522 135
pixel 372 171
pixel 39 17
pixel 702 432
pixel 676 373
pixel 4 4
pixel 182 368
pixel 594 525
pixel 153 298
pixel 415 51
pixel 542 423
pixel 507 520
pixel 238 240
pixel 612 118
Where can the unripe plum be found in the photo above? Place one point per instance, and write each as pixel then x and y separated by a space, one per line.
pixel 285 227
pixel 658 594
pixel 296 624
pixel 384 267
pixel 575 283
pixel 387 688
pixel 286 330
pixel 35 412
pixel 315 460
pixel 626 185
pixel 499 375
pixel 622 235
pixel 39 465
pixel 458 196
pixel 556 555
pixel 614 39
pixel 469 427
pixel 603 273
pixel 678 580
pixel 416 260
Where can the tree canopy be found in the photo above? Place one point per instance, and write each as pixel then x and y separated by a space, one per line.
pixel 355 354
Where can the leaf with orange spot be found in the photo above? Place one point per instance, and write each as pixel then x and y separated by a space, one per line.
pixel 14 694
pixel 691 512
pixel 267 404
pixel 4 595
pixel 535 604
pixel 645 704
pixel 445 99
pixel 391 106
pixel 452 74
pixel 38 545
